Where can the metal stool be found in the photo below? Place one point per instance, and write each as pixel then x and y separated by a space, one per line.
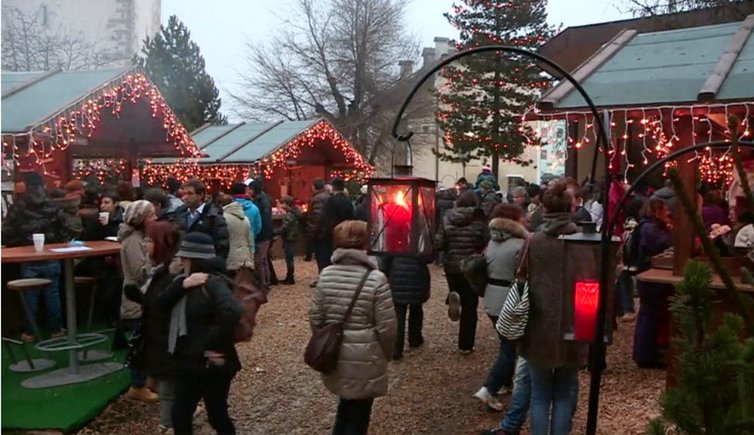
pixel 93 354
pixel 30 364
pixel 28 284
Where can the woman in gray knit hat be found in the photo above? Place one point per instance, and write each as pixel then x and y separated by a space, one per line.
pixel 203 316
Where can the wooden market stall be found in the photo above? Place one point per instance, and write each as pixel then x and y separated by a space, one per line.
pixel 75 124
pixel 288 155
pixel 659 92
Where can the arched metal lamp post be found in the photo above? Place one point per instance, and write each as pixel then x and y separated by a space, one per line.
pixel 605 239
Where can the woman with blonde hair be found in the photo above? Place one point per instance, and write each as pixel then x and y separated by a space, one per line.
pixel 368 333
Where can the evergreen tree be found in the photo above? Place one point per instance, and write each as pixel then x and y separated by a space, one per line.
pixel 714 393
pixel 485 95
pixel 175 64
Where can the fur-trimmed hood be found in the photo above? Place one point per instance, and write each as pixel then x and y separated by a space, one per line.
pixel 502 229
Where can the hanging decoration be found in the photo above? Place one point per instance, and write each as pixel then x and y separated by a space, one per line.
pixel 104 170
pixel 322 132
pixel 654 131
pixel 80 120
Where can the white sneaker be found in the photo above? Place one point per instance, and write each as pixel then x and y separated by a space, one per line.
pixel 488 399
pixel 504 390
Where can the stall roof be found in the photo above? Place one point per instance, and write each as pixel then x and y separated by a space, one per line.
pixel 709 63
pixel 247 142
pixel 31 98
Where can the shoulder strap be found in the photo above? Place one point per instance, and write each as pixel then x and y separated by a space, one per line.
pixel 356 294
pixel 522 269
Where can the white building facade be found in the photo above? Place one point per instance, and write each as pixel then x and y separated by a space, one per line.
pixel 116 28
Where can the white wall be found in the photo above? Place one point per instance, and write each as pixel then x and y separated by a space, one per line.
pixel 117 26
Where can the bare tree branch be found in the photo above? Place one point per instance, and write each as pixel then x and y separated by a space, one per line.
pixel 31 45
pixel 338 59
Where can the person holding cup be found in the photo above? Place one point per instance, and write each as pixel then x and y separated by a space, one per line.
pixel 35 214
pixel 108 220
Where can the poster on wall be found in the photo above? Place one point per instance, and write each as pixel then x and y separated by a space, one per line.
pixel 553 152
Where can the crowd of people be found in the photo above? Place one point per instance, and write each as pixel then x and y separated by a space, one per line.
pixel 181 249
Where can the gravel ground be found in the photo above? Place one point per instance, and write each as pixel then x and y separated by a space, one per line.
pixel 430 390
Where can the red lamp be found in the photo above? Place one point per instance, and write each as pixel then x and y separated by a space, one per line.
pixel 401 216
pixel 582 296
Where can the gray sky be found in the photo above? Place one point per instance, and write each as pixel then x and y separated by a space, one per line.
pixel 222 28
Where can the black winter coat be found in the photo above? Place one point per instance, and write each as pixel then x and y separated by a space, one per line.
pixel 211 222
pixel 211 316
pixel 155 323
pixel 408 278
pixel 262 201
pixel 463 232
pixel 337 209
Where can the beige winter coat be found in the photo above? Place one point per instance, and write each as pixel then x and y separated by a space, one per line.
pixel 135 264
pixel 369 334
pixel 239 235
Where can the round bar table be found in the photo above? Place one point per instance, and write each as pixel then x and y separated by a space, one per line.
pixel 67 253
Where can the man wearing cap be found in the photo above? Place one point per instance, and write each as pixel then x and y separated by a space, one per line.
pixel 197 215
pixel 34 213
pixel 486 174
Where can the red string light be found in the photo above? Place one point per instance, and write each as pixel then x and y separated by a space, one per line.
pixel 226 174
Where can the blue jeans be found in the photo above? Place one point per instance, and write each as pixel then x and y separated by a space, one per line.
pixel 501 372
pixel 51 271
pixel 555 390
pixel 138 377
pixel 289 247
pixel 519 407
pixel 625 292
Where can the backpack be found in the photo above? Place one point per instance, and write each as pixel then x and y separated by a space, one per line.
pixel 631 259
pixel 250 293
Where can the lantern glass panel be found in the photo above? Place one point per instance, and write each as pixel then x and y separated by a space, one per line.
pixel 392 215
pixel 426 220
pixel 581 299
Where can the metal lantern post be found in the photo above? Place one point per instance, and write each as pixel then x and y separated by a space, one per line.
pixel 401 216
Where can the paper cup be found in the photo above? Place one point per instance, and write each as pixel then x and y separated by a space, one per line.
pixel 105 215
pixel 39 241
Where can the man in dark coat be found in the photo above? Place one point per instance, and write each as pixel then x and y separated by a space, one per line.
pixel 264 238
pixel 409 283
pixel 314 214
pixel 337 209
pixel 35 213
pixel 196 215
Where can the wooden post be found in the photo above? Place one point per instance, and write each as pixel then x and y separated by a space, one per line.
pixel 683 230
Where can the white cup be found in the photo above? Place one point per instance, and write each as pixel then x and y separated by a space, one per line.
pixel 104 215
pixel 39 241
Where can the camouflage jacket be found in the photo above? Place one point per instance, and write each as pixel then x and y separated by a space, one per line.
pixel 289 229
pixel 35 213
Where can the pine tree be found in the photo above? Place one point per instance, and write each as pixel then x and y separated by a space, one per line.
pixel 714 393
pixel 175 64
pixel 484 95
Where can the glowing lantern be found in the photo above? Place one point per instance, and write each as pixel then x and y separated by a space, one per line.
pixel 582 296
pixel 401 216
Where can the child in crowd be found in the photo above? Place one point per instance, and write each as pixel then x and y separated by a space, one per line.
pixel 289 232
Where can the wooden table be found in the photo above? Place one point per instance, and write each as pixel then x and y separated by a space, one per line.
pixel 664 276
pixel 27 254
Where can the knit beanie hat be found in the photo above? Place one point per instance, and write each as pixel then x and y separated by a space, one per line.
pixel 137 212
pixel 196 245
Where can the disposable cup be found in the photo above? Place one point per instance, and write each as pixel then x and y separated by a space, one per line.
pixel 39 241
pixel 105 215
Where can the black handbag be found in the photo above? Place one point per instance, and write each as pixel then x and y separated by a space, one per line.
pixel 474 268
pixel 323 350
